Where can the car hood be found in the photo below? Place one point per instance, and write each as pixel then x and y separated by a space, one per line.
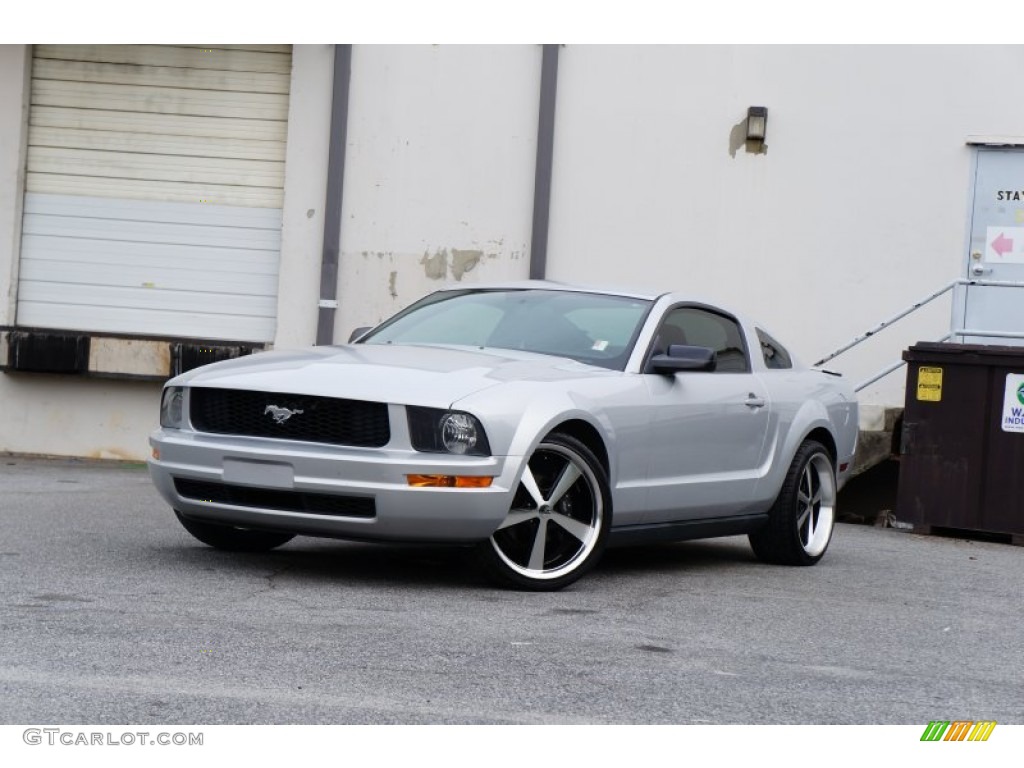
pixel 411 374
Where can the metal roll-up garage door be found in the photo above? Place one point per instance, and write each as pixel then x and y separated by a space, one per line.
pixel 154 190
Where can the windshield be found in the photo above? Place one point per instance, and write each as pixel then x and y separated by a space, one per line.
pixel 593 328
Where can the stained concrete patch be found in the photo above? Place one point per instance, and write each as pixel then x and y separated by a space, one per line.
pixel 435 267
pixel 464 261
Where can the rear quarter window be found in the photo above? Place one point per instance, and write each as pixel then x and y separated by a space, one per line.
pixel 775 355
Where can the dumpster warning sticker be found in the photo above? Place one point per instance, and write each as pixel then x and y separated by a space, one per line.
pixel 929 384
pixel 1013 403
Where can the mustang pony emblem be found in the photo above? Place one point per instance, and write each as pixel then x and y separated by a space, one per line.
pixel 281 415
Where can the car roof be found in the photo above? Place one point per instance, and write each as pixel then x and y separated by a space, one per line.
pixel 669 297
pixel 552 285
pixel 673 297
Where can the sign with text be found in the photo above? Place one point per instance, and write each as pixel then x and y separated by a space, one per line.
pixel 929 384
pixel 1013 403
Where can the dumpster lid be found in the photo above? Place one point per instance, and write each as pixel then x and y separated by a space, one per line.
pixel 964 354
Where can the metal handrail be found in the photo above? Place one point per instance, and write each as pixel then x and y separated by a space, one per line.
pixel 913 308
pixel 889 369
pixel 886 323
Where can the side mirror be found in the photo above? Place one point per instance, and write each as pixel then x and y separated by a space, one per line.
pixel 681 357
pixel 359 332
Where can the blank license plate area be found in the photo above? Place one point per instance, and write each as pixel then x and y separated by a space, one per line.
pixel 265 474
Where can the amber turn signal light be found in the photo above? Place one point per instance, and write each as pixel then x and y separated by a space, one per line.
pixel 449 481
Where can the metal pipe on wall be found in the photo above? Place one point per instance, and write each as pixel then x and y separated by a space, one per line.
pixel 545 156
pixel 328 304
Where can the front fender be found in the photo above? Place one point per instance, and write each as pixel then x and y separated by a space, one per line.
pixel 518 416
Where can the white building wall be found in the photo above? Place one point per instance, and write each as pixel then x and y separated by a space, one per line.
pixel 438 175
pixel 857 209
pixel 305 189
pixel 73 416
pixel 14 88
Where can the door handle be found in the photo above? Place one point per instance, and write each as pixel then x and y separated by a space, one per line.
pixel 978 270
pixel 754 401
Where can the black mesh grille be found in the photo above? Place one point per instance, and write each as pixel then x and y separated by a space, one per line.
pixel 312 419
pixel 267 498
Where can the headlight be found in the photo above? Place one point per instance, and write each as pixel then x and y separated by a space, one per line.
pixel 459 432
pixel 172 407
pixel 437 431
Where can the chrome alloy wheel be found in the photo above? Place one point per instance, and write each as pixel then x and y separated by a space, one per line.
pixel 557 516
pixel 800 522
pixel 816 504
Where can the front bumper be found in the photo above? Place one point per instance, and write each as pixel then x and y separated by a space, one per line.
pixel 287 469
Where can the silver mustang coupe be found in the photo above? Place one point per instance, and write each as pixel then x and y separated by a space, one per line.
pixel 534 421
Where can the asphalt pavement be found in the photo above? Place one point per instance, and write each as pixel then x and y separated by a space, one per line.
pixel 111 613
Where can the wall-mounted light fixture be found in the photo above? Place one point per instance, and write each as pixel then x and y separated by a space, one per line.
pixel 757 123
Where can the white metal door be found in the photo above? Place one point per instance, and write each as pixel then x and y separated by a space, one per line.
pixel 996 250
pixel 154 190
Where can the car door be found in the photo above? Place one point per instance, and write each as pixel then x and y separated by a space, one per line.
pixel 708 429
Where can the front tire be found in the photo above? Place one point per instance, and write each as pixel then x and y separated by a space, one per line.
pixel 558 525
pixel 232 539
pixel 801 521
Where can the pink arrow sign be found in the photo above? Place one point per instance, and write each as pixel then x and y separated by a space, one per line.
pixel 1002 245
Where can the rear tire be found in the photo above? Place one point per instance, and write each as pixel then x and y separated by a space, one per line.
pixel 801 521
pixel 232 539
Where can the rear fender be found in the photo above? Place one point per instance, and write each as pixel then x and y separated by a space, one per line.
pixel 811 415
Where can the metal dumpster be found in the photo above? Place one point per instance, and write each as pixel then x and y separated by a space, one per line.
pixel 962 452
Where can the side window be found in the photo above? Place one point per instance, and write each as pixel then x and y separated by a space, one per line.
pixel 775 355
pixel 703 328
